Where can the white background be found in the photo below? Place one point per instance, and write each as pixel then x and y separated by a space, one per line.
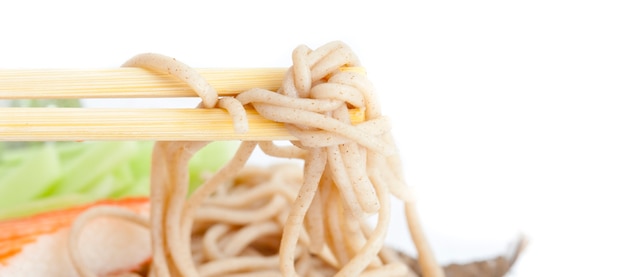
pixel 510 115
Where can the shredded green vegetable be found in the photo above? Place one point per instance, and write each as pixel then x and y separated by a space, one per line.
pixel 51 175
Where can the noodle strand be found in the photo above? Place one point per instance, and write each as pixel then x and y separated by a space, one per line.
pixel 283 220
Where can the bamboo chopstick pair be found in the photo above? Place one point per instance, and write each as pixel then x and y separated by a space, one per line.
pixel 78 124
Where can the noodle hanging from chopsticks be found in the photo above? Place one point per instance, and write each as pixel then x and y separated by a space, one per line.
pixel 285 220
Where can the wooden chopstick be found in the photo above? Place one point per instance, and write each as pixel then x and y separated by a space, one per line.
pixel 128 82
pixel 78 124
